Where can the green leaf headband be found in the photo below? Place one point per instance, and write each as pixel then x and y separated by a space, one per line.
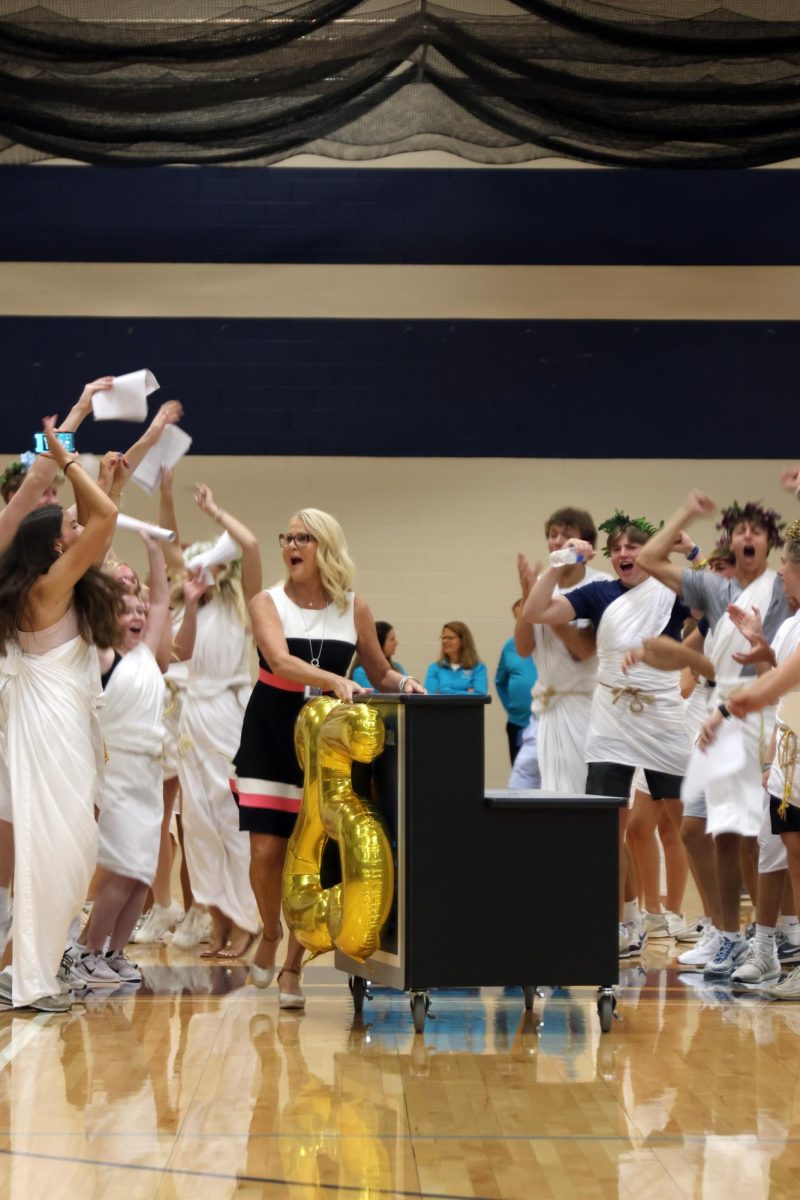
pixel 621 520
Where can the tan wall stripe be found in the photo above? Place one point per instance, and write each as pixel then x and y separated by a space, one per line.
pixel 400 292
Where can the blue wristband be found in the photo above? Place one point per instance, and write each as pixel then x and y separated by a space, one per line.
pixel 693 553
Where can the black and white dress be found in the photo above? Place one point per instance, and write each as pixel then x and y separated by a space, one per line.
pixel 268 781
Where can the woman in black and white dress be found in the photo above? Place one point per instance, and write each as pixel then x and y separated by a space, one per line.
pixel 307 629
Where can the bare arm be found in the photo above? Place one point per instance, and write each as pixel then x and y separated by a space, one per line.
pixel 168 414
pixel 383 676
pixel 52 592
pixel 768 689
pixel 665 654
pixel 25 500
pixel 158 616
pixel 524 633
pixel 542 607
pixel 654 555
pixel 83 406
pixel 193 590
pixel 581 643
pixel 167 519
pixel 251 555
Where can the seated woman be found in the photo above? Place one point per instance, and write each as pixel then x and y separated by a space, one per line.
pixel 387 640
pixel 459 670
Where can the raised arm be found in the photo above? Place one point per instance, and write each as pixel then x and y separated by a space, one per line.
pixel 251 555
pixel 654 555
pixel 83 405
pixel 167 519
pixel 168 414
pixel 53 590
pixel 524 634
pixel 35 483
pixel 193 591
pixel 158 615
pixel 542 607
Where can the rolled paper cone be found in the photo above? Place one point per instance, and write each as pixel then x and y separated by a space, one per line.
pixel 153 531
pixel 224 550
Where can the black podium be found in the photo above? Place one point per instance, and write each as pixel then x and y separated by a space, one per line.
pixel 488 884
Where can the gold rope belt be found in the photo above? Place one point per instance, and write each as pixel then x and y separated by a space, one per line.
pixel 638 698
pixel 787 761
pixel 547 695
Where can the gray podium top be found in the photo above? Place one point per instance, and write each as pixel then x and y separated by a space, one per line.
pixel 536 798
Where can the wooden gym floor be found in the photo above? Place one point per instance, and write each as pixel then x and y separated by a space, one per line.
pixel 196 1086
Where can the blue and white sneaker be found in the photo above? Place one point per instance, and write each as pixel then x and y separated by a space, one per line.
pixel 788 951
pixel 636 939
pixel 729 955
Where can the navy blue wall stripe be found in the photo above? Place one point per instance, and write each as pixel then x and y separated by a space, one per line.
pixel 400 216
pixel 591 389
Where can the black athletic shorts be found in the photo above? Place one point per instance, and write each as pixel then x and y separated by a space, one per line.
pixel 788 824
pixel 615 779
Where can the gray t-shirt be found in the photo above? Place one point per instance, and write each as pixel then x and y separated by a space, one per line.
pixel 711 594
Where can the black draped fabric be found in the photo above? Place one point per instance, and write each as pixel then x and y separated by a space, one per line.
pixel 674 83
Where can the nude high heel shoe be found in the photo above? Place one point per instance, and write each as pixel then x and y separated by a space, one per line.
pixel 262 977
pixel 289 1000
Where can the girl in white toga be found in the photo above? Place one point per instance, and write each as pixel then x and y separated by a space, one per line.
pixel 53 606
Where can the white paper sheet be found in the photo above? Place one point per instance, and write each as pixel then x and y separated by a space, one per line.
pixel 167 452
pixel 133 525
pixel 126 400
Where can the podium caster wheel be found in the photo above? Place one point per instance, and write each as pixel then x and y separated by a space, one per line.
pixel 530 996
pixel 358 987
pixel 420 1003
pixel 606 1003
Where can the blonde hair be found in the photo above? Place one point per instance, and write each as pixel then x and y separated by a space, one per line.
pixel 336 567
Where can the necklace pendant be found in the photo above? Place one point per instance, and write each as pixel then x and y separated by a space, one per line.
pixel 315 662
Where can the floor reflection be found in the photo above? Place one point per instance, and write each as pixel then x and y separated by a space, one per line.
pixel 198 1084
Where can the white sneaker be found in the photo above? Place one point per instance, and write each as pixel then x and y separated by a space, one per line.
pixel 704 951
pixel 92 970
pixel 675 922
pixel 730 953
pixel 759 966
pixel 788 988
pixel 159 921
pixel 128 971
pixel 637 939
pixel 655 924
pixel 193 929
pixel 692 931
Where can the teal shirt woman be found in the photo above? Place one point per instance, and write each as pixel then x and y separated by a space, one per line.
pixel 459 671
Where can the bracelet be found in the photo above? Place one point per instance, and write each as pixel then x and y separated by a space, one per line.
pixel 693 553
pixel 73 462
pixel 404 679
pixel 724 710
pixel 700 565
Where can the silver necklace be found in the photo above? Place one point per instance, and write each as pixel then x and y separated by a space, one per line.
pixel 315 657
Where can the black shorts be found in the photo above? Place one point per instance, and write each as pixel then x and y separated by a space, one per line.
pixel 788 824
pixel 615 779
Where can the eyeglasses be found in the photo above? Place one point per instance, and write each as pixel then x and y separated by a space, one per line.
pixel 449 637
pixel 295 539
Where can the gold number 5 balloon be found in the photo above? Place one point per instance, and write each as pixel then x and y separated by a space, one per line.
pixel 329 737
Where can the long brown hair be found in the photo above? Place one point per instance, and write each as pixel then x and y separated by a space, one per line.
pixel 469 655
pixel 98 598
